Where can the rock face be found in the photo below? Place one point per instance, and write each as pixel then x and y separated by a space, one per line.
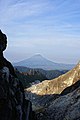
pixel 65 107
pixel 13 105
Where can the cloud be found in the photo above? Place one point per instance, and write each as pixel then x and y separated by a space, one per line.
pixel 20 10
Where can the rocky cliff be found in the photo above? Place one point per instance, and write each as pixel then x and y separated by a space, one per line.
pixel 13 105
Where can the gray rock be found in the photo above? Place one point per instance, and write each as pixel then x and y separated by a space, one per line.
pixel 65 107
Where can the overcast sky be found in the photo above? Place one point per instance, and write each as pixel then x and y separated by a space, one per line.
pixel 48 27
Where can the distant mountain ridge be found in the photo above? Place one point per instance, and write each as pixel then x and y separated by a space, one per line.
pixel 50 74
pixel 38 61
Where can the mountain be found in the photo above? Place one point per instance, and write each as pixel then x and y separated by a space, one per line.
pixel 38 61
pixel 57 85
pixel 57 99
pixel 51 89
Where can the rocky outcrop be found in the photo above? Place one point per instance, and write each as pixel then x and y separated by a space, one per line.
pixel 70 88
pixel 13 105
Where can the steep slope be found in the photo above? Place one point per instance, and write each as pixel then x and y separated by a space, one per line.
pixel 38 61
pixel 57 85
pixel 51 106
pixel 46 92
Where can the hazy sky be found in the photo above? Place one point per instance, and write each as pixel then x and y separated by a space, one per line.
pixel 48 27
